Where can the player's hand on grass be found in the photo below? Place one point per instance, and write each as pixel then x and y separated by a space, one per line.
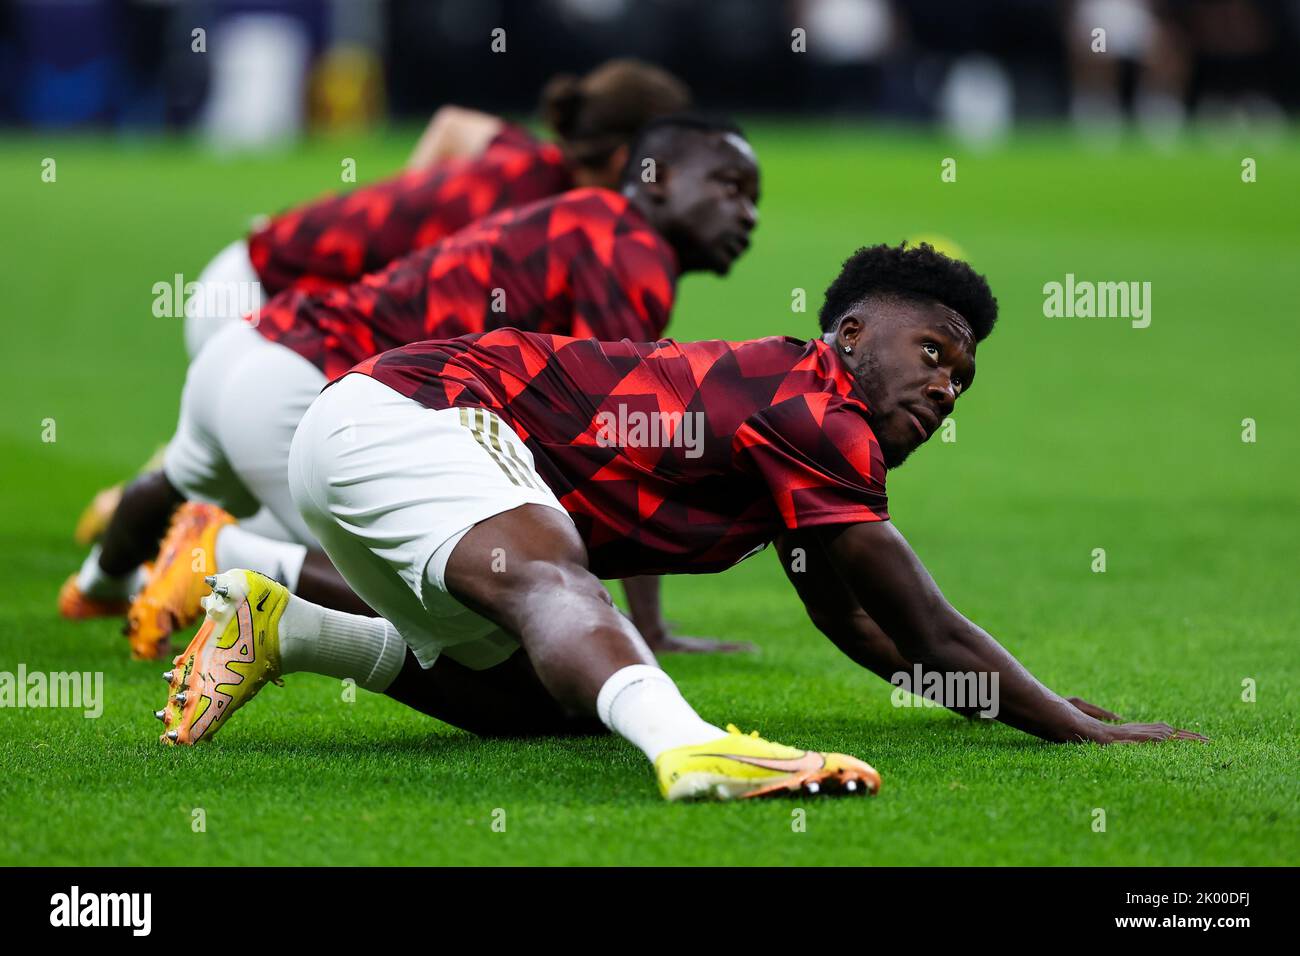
pixel 646 612
pixel 1092 710
pixel 668 643
pixel 1143 733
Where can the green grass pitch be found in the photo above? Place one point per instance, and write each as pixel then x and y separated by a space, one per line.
pixel 1079 434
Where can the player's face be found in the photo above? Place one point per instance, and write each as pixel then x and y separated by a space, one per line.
pixel 711 203
pixel 916 360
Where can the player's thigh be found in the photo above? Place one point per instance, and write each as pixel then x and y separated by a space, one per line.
pixel 264 396
pixel 195 461
pixel 372 578
pixel 503 565
pixel 405 483
pixel 321 457
pixel 228 289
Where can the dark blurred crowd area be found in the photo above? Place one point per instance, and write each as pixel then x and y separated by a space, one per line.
pixel 329 63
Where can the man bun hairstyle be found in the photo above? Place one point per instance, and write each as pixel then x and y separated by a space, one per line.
pixel 595 114
pixel 915 272
pixel 561 97
pixel 665 138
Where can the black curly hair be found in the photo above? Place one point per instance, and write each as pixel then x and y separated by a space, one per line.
pixel 916 272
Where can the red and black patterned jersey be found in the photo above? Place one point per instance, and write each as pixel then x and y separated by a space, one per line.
pixel 585 263
pixel 670 457
pixel 339 239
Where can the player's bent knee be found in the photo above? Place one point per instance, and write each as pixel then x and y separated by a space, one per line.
pixel 517 553
pixel 542 581
pixel 541 585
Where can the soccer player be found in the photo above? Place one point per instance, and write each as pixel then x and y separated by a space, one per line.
pixel 467 165
pixel 472 491
pixel 590 262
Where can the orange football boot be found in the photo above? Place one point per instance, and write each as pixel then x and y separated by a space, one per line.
pixel 75 606
pixel 170 599
pixel 96 516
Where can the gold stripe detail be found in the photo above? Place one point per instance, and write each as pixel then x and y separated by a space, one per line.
pixel 476 427
pixel 494 432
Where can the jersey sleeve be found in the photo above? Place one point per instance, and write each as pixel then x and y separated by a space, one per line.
pixel 632 298
pixel 819 458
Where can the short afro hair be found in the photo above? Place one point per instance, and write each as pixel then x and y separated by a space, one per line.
pixel 665 137
pixel 916 272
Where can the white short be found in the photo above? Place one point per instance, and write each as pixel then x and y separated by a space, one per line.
pixel 390 487
pixel 244 396
pixel 228 284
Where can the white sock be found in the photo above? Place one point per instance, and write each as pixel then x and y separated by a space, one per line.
pixel 94 582
pixel 279 560
pixel 642 704
pixel 318 640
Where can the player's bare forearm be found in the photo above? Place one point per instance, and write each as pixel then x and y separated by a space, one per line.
pixel 833 609
pixel 895 590
pixel 453 131
pixel 645 608
pixel 835 612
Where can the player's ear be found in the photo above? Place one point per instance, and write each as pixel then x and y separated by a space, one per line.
pixel 849 333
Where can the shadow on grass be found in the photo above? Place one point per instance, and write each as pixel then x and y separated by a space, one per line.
pixel 449 745
pixel 942 731
pixel 910 728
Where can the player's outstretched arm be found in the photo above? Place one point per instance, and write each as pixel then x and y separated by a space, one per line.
pixel 454 131
pixel 892 586
pixel 835 612
pixel 832 607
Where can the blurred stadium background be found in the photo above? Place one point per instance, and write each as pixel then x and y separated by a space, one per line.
pixel 275 68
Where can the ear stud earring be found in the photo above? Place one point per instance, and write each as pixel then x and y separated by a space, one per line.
pixel 848 349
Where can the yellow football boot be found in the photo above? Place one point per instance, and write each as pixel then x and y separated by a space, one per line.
pixel 236 651
pixel 170 598
pixel 740 766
